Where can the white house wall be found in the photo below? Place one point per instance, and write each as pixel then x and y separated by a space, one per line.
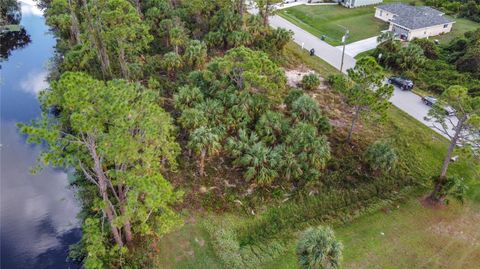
pixel 360 3
pixel 430 31
pixel 383 15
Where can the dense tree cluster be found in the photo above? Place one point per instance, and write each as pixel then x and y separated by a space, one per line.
pixel 235 102
pixel 435 67
pixel 124 68
pixel 464 8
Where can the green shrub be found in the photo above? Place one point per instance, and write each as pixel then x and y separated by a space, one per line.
pixel 310 82
pixel 381 156
pixel 318 248
pixel 292 96
pixel 436 88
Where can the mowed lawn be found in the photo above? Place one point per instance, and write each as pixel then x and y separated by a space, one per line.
pixel 331 20
pixel 459 28
pixel 410 236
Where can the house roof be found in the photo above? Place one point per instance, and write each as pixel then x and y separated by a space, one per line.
pixel 413 17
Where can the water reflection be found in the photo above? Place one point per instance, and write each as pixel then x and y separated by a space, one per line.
pixel 11 41
pixel 38 212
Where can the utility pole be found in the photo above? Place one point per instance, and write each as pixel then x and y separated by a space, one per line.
pixel 344 41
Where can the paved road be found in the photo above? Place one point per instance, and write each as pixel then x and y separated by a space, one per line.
pixel 328 53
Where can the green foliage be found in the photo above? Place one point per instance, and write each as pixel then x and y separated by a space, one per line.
pixel 260 161
pixel 195 54
pixel 251 71
pixel 469 9
pixel 365 91
pixel 203 139
pixel 292 96
pixel 310 82
pixel 171 62
pixel 306 109
pixel 310 150
pixel 454 187
pixel 318 248
pixel 272 126
pixel 187 97
pixel 430 49
pixel 121 140
pixel 204 142
pixel 381 156
pixel 411 58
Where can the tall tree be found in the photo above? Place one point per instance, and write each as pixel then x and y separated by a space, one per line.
pixel 266 9
pixel 205 142
pixel 195 53
pixel 251 71
pixel 319 249
pixel 117 135
pixel 365 91
pixel 463 131
pixel 125 35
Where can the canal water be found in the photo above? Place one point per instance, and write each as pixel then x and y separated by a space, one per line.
pixel 37 212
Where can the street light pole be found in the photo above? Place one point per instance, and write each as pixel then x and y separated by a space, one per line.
pixel 344 41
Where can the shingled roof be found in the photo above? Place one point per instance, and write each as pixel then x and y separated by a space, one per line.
pixel 413 17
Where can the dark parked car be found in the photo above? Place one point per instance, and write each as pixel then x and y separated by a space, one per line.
pixel 403 83
pixel 430 101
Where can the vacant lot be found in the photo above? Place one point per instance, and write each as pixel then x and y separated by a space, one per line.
pixel 332 20
pixel 410 236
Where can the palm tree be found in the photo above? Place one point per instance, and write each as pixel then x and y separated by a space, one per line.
pixel 204 141
pixel 192 119
pixel 178 37
pixel 411 58
pixel 271 126
pixel 381 157
pixel 386 36
pixel 172 62
pixel 306 109
pixel 187 97
pixel 318 249
pixel 261 163
pixel 195 53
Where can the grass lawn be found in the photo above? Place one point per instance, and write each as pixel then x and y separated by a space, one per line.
pixel 459 28
pixel 328 20
pixel 410 236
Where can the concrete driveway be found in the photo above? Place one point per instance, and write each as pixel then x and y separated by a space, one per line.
pixel 353 49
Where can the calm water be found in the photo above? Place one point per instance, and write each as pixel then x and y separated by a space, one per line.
pixel 38 212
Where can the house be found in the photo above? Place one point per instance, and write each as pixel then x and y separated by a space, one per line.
pixel 358 3
pixel 409 22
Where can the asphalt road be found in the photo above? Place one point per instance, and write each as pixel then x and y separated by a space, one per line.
pixel 328 53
